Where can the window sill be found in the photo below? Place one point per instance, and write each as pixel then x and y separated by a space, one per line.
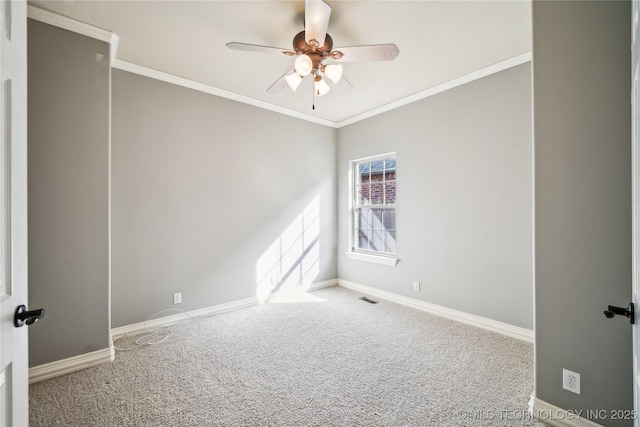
pixel 377 259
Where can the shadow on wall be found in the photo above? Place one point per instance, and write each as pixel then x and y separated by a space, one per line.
pixel 292 261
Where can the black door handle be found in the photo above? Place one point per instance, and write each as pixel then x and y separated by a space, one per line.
pixel 23 316
pixel 627 312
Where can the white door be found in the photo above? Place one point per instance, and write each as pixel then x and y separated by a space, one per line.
pixel 13 212
pixel 635 297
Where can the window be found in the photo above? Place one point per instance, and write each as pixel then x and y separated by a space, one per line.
pixel 373 224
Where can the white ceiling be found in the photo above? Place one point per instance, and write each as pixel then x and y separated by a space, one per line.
pixel 439 41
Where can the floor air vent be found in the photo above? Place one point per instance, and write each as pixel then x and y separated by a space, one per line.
pixel 370 301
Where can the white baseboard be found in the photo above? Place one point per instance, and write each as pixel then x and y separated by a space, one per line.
pixel 168 320
pixel 95 358
pixel 558 417
pixel 207 311
pixel 71 364
pixel 77 363
pixel 320 285
pixel 459 316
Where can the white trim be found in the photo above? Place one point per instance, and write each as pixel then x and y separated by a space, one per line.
pixel 89 30
pixel 201 87
pixel 376 259
pixel 207 311
pixel 88 360
pixel 373 158
pixel 389 260
pixel 95 358
pixel 168 320
pixel 558 417
pixel 320 285
pixel 483 72
pixel 70 24
pixel 71 364
pixel 181 81
pixel 115 42
pixel 459 316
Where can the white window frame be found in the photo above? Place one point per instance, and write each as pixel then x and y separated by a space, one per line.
pixel 353 252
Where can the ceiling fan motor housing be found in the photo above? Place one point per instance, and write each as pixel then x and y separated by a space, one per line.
pixel 316 53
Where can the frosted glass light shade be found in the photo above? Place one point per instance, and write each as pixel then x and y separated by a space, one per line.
pixel 293 80
pixel 334 72
pixel 321 87
pixel 303 65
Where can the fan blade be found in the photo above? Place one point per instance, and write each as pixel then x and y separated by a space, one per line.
pixel 257 48
pixel 376 52
pixel 316 20
pixel 281 83
pixel 342 87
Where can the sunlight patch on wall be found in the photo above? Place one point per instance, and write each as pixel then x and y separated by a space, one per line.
pixel 291 262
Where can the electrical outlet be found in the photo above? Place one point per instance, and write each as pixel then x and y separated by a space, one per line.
pixel 177 298
pixel 416 286
pixel 571 381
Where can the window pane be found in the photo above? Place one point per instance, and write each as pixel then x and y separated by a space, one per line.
pixel 370 219
pixel 375 240
pixel 363 241
pixel 389 220
pixel 390 164
pixel 363 173
pixel 390 193
pixel 364 194
pixel 377 170
pixel 390 242
pixel 390 169
pixel 364 218
pixel 377 177
pixel 377 194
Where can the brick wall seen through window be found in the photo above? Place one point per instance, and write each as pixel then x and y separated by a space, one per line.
pixel 374 221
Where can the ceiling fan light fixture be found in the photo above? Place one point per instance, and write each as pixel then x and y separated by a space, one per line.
pixel 303 65
pixel 293 80
pixel 312 46
pixel 320 87
pixel 334 72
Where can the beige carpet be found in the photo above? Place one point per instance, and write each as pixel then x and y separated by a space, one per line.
pixel 328 360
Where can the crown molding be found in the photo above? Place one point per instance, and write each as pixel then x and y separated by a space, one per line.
pixel 467 78
pixel 181 81
pixel 70 24
pixel 75 26
pixel 112 38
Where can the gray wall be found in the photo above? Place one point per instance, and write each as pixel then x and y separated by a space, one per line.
pixel 202 188
pixel 68 192
pixel 464 208
pixel 582 109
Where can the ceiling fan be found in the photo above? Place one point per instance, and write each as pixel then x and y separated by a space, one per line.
pixel 315 55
